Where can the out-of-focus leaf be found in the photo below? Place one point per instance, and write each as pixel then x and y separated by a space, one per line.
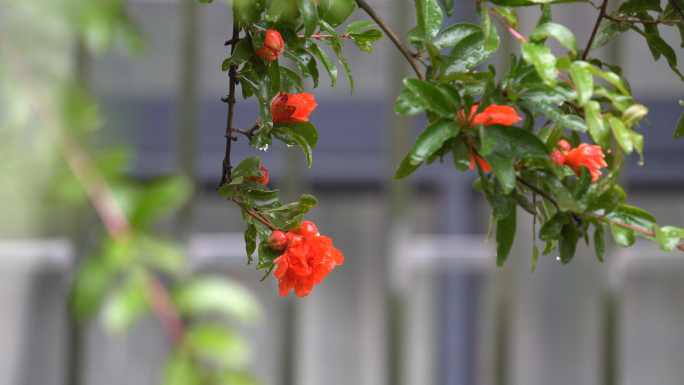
pixel 552 228
pixel 215 343
pixel 126 304
pixel 159 196
pixel 584 82
pixel 516 142
pixel 623 236
pixel 659 45
pixel 668 238
pixel 214 295
pixel 568 242
pixel 598 130
pixel 408 103
pixel 505 234
pixel 181 370
pixel 309 13
pixel 599 242
pixel 635 217
pixel 335 12
pixel 679 131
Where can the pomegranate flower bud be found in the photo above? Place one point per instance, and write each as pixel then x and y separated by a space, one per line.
pixel 557 158
pixel 277 240
pixel 273 45
pixel 261 180
pixel 564 145
pixel 308 229
pixel 292 108
pixel 588 155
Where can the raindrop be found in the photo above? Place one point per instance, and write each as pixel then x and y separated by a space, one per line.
pixel 265 148
pixel 558 258
pixel 640 163
pixel 289 145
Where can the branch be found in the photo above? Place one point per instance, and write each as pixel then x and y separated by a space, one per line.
pixel 255 215
pixel 320 36
pixel 232 74
pixel 407 54
pixel 602 14
pixel 619 20
pixel 538 191
pixel 165 312
pixel 677 10
pixel 248 133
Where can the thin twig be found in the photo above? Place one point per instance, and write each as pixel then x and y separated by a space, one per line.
pixel 620 20
pixel 165 312
pixel 232 74
pixel 409 56
pixel 319 36
pixel 508 27
pixel 538 191
pixel 248 133
pixel 602 14
pixel 254 215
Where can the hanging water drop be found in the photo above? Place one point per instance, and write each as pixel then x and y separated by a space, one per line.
pixel 265 148
pixel 558 258
pixel 289 145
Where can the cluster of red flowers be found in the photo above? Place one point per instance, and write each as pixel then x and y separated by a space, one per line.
pixel 307 257
pixel 588 155
pixel 491 115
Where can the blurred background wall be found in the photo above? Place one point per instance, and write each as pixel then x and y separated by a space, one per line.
pixel 419 299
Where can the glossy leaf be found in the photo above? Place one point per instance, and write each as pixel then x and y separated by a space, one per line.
pixel 504 171
pixel 452 35
pixel 667 238
pixel 250 240
pixel 551 112
pixel 300 141
pixel 358 26
pixel 598 130
pixel 568 242
pixel 505 234
pixel 515 142
pixel 544 62
pixel 335 45
pixel 599 242
pixel 633 114
pixel 335 12
pixel 406 168
pixel 448 6
pixel 290 82
pixel 679 131
pixel 243 51
pixel 309 12
pixel 467 54
pixel 430 17
pixel 561 33
pixel 623 236
pixel 584 82
pixel 461 155
pixel 635 217
pixel 248 167
pixel 364 40
pixel 306 63
pixel 431 139
pixel 408 103
pixel 552 228
pixel 327 63
pixel 432 96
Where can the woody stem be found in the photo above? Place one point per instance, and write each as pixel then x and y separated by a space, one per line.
pixel 254 215
pixel 232 74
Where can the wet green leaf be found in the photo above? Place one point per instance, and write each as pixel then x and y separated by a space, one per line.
pixel 408 103
pixel 561 33
pixel 504 171
pixel 584 82
pixel 515 142
pixel 505 234
pixel 243 51
pixel 544 62
pixel 432 138
pixel 327 63
pixel 335 12
pixel 309 12
pixel 432 96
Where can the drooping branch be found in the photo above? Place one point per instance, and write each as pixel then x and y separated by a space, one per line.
pixel 407 54
pixel 254 215
pixel 602 14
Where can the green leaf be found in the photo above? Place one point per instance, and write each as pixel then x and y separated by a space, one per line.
pixel 243 51
pixel 504 171
pixel 552 228
pixel 274 74
pixel 633 114
pixel 309 13
pixel 290 82
pixel 564 198
pixel 453 95
pixel 509 14
pixel 461 154
pixel 300 141
pixel 515 142
pixel 635 217
pixel 180 369
pixel 526 204
pixel 358 26
pixel 505 234
pixel 561 33
pixel 217 295
pixel 568 243
pixel 160 196
pixel 335 12
pixel 660 46
pixel 431 139
pixel 266 255
pixel 679 131
pixel 215 343
pixel 432 96
pixel 622 134
pixel 258 38
pixel 619 101
pixel 668 238
pixel 584 82
pixel 126 304
pixel 452 35
pixel 467 54
pixel 599 242
pixel 248 88
pixel 430 17
pixel 364 40
pixel 633 6
pixel 448 6
pixel 306 63
pixel 327 63
pixel 623 236
pixel 261 199
pixel 248 167
pixel 93 277
pixel 406 168
pixel 491 38
pixel 408 103
pixel 607 30
pixel 598 130
pixel 305 129
pixel 335 45
pixel 551 112
pixel 334 35
pixel 160 253
pixel 544 62
pixel 250 240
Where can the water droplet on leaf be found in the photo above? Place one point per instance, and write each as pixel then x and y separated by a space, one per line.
pixel 265 148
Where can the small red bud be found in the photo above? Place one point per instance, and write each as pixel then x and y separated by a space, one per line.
pixel 308 229
pixel 564 145
pixel 278 240
pixel 261 180
pixel 557 158
pixel 273 45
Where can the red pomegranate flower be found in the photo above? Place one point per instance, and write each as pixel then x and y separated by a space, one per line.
pixel 292 108
pixel 493 114
pixel 273 45
pixel 305 262
pixel 588 155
